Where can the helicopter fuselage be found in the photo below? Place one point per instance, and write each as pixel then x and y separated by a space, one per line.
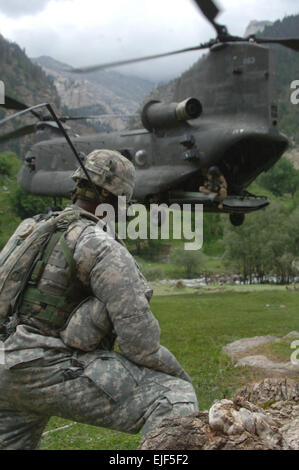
pixel 237 131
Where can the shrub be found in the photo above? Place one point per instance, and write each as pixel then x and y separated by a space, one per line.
pixel 8 164
pixel 190 260
pixel 25 205
pixel 153 273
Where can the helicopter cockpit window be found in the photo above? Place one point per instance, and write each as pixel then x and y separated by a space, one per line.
pixel 141 158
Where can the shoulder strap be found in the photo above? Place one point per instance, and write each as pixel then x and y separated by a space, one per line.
pixel 55 309
pixel 71 262
pixel 28 299
pixel 43 258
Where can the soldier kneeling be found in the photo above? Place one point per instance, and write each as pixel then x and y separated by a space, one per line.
pixel 84 294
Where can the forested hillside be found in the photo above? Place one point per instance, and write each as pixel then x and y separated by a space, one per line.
pixel 286 64
pixel 26 82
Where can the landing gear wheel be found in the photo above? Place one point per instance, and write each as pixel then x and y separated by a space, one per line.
pixel 236 219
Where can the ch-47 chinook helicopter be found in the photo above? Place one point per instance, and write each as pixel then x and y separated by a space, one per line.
pixel 223 114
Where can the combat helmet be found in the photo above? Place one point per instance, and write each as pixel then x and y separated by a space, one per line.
pixel 214 171
pixel 108 169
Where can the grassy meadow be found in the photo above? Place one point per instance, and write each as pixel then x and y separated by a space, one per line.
pixel 195 326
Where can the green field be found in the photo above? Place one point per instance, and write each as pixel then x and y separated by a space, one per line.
pixel 195 327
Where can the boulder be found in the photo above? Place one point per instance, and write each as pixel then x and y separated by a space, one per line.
pixel 244 344
pixel 262 362
pixel 260 416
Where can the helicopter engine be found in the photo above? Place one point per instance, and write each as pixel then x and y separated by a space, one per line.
pixel 156 115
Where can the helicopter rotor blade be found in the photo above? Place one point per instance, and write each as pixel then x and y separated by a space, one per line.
pixel 208 8
pixel 41 125
pixel 210 11
pixel 31 129
pixel 95 68
pixel 291 43
pixel 99 116
pixel 11 103
pixel 20 113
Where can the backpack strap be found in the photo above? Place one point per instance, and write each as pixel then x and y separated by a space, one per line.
pixel 46 306
pixel 32 302
pixel 43 258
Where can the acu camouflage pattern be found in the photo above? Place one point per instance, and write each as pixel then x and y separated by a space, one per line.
pixel 99 388
pixel 74 372
pixel 110 170
pixel 89 327
pixel 15 253
pixel 18 256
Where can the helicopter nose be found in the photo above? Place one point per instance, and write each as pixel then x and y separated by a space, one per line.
pixel 249 157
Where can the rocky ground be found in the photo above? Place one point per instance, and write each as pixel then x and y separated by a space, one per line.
pixel 245 352
pixel 260 416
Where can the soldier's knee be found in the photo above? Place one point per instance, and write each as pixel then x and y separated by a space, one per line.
pixel 178 399
pixel 182 396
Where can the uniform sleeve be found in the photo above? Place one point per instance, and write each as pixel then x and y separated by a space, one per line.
pixel 223 182
pixel 115 279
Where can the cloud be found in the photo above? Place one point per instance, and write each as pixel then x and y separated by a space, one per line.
pixel 82 32
pixel 18 8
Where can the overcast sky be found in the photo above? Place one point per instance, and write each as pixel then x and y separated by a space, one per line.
pixel 85 32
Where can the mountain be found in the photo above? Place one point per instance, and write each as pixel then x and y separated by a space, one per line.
pixel 96 93
pixel 45 80
pixel 255 27
pixel 26 82
pixel 287 70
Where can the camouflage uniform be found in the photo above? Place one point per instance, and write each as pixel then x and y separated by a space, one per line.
pixel 73 372
pixel 215 184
